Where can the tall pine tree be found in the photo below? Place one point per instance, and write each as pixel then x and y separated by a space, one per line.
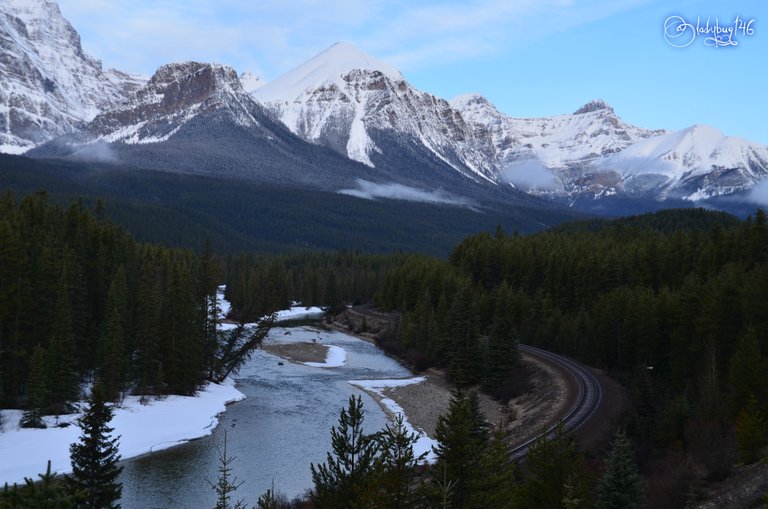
pixel 94 457
pixel 462 441
pixel 343 481
pixel 620 487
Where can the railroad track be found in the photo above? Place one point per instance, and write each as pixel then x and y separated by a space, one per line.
pixel 588 399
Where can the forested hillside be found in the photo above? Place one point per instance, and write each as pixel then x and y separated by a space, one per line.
pixel 80 299
pixel 671 304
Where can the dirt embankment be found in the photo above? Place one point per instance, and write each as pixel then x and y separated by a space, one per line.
pixel 551 396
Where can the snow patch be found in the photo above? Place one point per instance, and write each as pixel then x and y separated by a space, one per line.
pixel 142 428
pixel 335 357
pixel 299 313
pixel 423 444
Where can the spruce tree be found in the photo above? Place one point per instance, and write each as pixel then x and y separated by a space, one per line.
pixel 48 492
pixel 502 343
pixel 462 440
pixel 63 380
pixel 112 372
pixel 496 484
pixel 751 431
pixel 620 487
pixel 38 391
pixel 465 352
pixel 342 482
pixel 226 485
pixel 748 372
pixel 555 474
pixel 94 458
pixel 398 466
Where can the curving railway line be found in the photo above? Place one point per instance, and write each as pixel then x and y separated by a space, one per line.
pixel 588 398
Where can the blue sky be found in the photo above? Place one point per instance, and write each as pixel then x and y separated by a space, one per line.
pixel 529 57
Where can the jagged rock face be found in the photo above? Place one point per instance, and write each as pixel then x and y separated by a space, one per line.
pixel 344 99
pixel 48 85
pixel 174 95
pixel 593 152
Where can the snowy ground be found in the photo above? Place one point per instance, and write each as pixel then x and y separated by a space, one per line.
pixel 142 428
pixel 335 357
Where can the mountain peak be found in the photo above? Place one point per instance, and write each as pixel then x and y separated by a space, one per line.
pixel 593 105
pixel 183 84
pixel 328 66
pixel 464 101
pixel 346 56
pixel 250 82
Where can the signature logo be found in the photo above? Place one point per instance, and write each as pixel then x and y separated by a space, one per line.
pixel 680 33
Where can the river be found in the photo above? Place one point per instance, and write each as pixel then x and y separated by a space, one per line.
pixel 281 427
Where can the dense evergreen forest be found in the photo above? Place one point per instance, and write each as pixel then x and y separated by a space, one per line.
pixel 81 300
pixel 672 304
pixel 178 210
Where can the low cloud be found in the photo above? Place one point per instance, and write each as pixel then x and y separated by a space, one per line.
pixel 95 152
pixel 371 191
pixel 759 193
pixel 530 174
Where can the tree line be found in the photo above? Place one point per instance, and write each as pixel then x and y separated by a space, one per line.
pixel 80 299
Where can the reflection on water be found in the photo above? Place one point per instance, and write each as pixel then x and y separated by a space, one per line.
pixel 275 433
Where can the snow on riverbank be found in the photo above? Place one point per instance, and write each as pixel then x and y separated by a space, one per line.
pixel 423 443
pixel 299 313
pixel 142 429
pixel 335 357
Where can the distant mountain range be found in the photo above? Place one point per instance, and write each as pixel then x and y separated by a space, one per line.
pixel 346 122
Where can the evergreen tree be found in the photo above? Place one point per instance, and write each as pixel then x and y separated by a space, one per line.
pixel 398 463
pixel 95 456
pixel 462 440
pixel 496 486
pixel 226 485
pixel 554 474
pixel 343 481
pixel 38 390
pixel 502 343
pixel 748 372
pixel 48 492
pixel 148 354
pixel 751 431
pixel 465 352
pixel 620 487
pixel 112 372
pixel 63 380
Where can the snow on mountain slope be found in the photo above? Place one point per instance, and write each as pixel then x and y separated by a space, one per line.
pixel 251 82
pixel 694 163
pixel 48 85
pixel 174 95
pixel 345 99
pixel 552 143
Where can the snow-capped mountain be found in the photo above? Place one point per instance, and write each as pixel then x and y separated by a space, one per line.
pixel 593 152
pixel 48 85
pixel 197 118
pixel 693 164
pixel 361 107
pixel 551 154
pixel 176 94
pixel 342 120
